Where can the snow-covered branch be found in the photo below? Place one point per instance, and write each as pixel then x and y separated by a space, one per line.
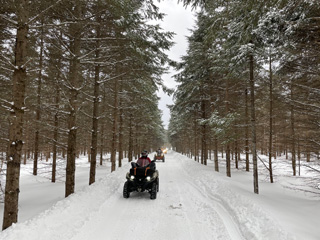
pixel 8 19
pixel 43 12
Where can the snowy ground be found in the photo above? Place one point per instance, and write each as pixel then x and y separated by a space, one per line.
pixel 194 202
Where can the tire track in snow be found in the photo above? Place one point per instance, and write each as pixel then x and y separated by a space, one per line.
pixel 247 219
pixel 217 206
pixel 232 225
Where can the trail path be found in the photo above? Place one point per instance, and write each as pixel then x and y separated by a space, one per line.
pixel 182 210
pixel 194 203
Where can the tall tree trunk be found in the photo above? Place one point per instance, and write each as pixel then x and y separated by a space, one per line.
pixel 216 161
pixel 114 128
pixel 38 110
pixel 137 147
pixel 253 130
pixel 276 150
pixel 75 31
pixel 120 131
pixel 247 131
pixel 27 141
pixel 228 161
pixel 101 144
pixel 95 112
pixel 94 133
pixel 270 120
pixel 195 137
pixel 130 147
pixel 204 152
pixel 102 128
pixel 236 150
pixel 55 131
pixel 55 138
pixel 19 77
pixel 293 145
pixel 299 156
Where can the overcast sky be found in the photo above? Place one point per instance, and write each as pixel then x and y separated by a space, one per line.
pixel 178 19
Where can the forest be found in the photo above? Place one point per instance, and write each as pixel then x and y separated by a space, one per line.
pixel 77 77
pixel 250 83
pixel 80 78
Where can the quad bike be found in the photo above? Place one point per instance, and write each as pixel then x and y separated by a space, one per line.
pixel 142 179
pixel 159 156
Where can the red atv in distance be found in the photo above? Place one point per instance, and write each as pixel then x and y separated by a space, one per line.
pixel 159 155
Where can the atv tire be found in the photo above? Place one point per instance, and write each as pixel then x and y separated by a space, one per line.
pixel 157 184
pixel 153 192
pixel 126 192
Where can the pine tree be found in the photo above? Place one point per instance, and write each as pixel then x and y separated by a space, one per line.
pixel 16 117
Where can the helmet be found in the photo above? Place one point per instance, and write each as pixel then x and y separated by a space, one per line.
pixel 144 153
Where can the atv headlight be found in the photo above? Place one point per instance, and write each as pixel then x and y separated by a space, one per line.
pixel 130 177
pixel 148 178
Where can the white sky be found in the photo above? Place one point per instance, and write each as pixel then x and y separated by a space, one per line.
pixel 178 19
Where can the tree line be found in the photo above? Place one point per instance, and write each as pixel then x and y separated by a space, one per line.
pixel 250 82
pixel 77 77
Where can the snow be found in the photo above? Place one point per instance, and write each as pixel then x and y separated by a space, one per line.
pixel 194 202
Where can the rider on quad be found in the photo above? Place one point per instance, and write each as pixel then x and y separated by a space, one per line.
pixel 144 160
pixel 143 176
pixel 159 152
pixel 159 155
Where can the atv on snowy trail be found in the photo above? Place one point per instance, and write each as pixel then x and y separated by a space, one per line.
pixel 159 156
pixel 142 179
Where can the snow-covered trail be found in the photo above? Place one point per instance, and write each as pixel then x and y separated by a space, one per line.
pixel 181 211
pixel 194 202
